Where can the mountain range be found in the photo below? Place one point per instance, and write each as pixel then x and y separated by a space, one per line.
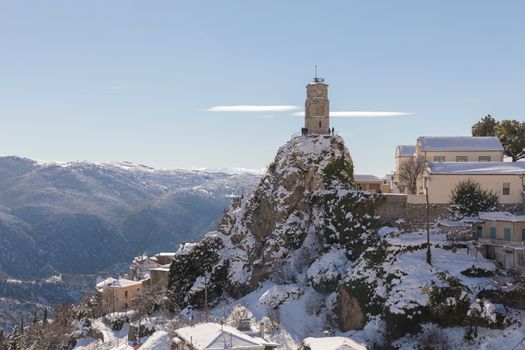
pixel 81 217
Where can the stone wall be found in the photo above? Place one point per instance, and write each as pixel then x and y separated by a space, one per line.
pixel 395 206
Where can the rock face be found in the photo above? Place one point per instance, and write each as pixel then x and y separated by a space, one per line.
pixel 302 225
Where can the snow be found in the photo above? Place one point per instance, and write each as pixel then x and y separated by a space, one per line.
pixel 122 283
pixel 333 343
pixel 501 216
pixel 477 168
pixel 405 150
pixel 459 143
pixel 328 266
pixel 215 336
pixel 157 341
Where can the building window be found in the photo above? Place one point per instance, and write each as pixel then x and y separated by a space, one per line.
pixel 461 158
pixel 439 158
pixel 521 258
pixel 506 188
pixel 506 234
pixel 523 234
pixel 480 232
pixel 492 233
pixel 126 294
pixel 319 124
pixel 484 158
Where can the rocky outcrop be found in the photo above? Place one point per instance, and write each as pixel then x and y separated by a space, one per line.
pixel 302 223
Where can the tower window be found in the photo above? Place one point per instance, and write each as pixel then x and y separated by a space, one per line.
pixel 319 124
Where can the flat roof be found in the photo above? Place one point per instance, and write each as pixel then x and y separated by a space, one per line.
pixel 459 143
pixel 501 216
pixel 477 168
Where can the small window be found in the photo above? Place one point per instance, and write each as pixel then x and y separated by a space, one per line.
pixel 439 158
pixel 506 189
pixel 125 294
pixel 480 232
pixel 461 158
pixel 523 234
pixel 506 234
pixel 492 233
pixel 484 158
pixel 319 124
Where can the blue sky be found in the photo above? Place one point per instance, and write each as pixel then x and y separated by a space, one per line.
pixel 132 80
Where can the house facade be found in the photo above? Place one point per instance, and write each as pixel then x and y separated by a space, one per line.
pixel 452 159
pixel 501 236
pixel 459 149
pixel 118 295
pixel 371 183
pixel 505 179
pixel 159 276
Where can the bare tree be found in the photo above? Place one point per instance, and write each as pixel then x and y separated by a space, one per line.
pixel 410 171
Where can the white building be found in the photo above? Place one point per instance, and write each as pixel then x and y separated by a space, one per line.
pixel 332 343
pixel 213 336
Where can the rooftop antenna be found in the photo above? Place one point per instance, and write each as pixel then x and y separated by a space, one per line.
pixel 317 79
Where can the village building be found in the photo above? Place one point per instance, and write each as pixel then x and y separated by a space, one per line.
pixel 505 179
pixel 117 295
pixel 141 266
pixel 371 183
pixel 332 343
pixel 501 236
pixel 452 159
pixel 164 258
pixel 459 149
pixel 213 336
pixel 159 276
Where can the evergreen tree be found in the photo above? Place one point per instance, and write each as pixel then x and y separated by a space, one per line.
pixel 511 133
pixel 485 127
pixel 469 198
pixel 44 319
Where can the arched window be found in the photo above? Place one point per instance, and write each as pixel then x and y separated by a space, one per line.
pixel 319 124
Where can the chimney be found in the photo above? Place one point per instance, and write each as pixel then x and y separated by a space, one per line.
pixel 261 330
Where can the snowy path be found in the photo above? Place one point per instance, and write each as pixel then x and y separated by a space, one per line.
pixel 113 340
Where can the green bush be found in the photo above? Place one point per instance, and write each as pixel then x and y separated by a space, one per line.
pixel 468 198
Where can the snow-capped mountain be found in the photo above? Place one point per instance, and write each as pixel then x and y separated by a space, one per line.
pixel 82 217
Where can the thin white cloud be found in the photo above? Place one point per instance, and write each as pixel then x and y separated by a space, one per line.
pixel 361 114
pixel 252 108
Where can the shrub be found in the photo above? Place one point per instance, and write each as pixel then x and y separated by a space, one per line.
pixel 469 198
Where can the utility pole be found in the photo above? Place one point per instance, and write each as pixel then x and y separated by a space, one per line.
pixel 429 254
pixel 206 296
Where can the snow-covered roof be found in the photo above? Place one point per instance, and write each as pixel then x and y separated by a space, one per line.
pixel 103 283
pixel 459 143
pixel 123 282
pixel 162 268
pixel 502 216
pixel 480 168
pixel 367 178
pixel 166 254
pixel 405 150
pixel 213 336
pixel 157 341
pixel 333 343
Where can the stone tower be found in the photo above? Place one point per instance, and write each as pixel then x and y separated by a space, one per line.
pixel 316 111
